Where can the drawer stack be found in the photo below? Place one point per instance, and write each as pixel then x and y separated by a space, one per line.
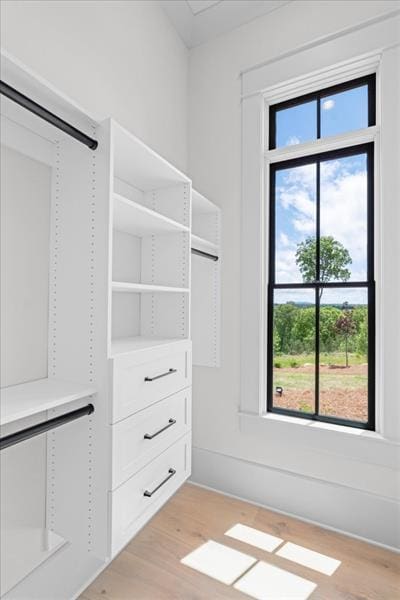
pixel 151 435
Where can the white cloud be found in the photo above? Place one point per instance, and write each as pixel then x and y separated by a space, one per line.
pixel 283 239
pixel 328 104
pixel 292 141
pixel 286 268
pixel 304 225
pixel 300 200
pixel 343 213
pixel 304 176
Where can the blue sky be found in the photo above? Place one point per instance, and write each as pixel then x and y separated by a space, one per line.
pixel 343 200
pixel 342 112
pixel 343 192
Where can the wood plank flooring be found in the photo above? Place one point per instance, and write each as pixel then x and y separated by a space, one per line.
pixel 149 567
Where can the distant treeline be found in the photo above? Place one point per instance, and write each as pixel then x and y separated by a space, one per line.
pixel 294 328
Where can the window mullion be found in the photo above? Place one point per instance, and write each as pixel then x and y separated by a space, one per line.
pixel 317 277
pixel 317 305
pixel 319 117
pixel 322 145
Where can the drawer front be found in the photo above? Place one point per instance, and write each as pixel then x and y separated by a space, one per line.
pixel 140 438
pixel 139 498
pixel 138 384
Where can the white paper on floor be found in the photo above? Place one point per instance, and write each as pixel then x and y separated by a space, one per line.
pixel 309 558
pixel 267 582
pixel 219 561
pixel 254 537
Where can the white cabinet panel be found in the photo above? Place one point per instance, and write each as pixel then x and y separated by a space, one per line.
pixel 140 438
pixel 142 379
pixel 137 500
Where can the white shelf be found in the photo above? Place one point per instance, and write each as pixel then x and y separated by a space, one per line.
pixel 122 286
pixel 27 399
pixel 137 163
pixel 23 550
pixel 201 205
pixel 203 244
pixel 133 344
pixel 138 220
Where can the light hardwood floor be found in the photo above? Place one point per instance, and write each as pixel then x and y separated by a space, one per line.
pixel 149 567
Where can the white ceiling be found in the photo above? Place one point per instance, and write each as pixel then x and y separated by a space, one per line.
pixel 198 6
pixel 198 21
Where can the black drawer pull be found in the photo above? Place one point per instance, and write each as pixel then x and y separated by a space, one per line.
pixel 150 436
pixel 171 474
pixel 169 372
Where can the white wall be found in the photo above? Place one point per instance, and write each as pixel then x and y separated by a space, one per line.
pixel 119 59
pixel 272 468
pixel 25 231
pixel 25 214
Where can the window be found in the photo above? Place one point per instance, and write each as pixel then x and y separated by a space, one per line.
pixel 332 111
pixel 321 295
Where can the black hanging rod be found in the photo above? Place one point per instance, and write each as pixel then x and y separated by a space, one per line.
pixel 29 432
pixel 45 114
pixel 204 254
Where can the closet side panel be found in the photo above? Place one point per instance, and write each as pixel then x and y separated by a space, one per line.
pixel 205 311
pixel 25 213
pixel 78 461
pixel 25 210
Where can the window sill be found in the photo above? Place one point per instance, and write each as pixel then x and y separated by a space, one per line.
pixel 269 420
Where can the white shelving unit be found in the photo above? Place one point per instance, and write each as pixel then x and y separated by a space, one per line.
pixel 24 546
pixel 134 344
pixel 203 244
pixel 150 231
pixel 145 288
pixel 205 287
pixel 49 483
pixel 29 399
pixel 24 550
pixel 135 219
pixel 119 327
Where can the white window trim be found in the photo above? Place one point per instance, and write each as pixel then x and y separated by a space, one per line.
pixel 254 218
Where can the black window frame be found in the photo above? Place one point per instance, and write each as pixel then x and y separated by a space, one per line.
pixel 368 284
pixel 368 80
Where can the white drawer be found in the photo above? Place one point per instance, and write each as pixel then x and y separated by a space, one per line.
pixel 144 378
pixel 139 498
pixel 143 436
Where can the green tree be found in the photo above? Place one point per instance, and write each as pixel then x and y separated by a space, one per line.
pixel 284 318
pixel 334 260
pixel 346 327
pixel 362 339
pixel 303 331
pixel 328 336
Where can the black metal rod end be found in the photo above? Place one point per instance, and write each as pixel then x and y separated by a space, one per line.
pixel 44 426
pixel 46 115
pixel 205 254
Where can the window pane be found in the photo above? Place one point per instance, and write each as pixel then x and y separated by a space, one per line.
pixel 343 112
pixel 294 350
pixel 343 206
pixel 295 218
pixel 297 124
pixel 343 371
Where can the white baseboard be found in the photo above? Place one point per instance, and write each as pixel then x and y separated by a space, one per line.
pixel 369 517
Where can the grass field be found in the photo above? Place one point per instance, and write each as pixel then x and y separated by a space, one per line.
pixel 343 391
pixel 331 358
